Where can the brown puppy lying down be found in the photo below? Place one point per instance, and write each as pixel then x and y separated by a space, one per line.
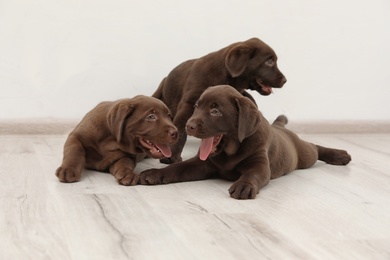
pixel 244 65
pixel 240 145
pixel 113 136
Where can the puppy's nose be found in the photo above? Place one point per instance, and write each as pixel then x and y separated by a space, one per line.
pixel 173 133
pixel 191 125
pixel 284 80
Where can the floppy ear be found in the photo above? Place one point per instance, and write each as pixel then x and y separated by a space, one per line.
pixel 237 59
pixel 249 118
pixel 117 117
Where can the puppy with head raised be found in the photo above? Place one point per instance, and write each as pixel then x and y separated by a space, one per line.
pixel 240 145
pixel 113 136
pixel 251 64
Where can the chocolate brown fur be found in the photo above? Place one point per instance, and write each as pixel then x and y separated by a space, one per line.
pixel 251 151
pixel 244 65
pixel 112 136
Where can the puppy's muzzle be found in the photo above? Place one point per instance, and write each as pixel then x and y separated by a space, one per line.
pixel 192 127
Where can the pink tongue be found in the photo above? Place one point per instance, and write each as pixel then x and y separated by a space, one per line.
pixel 205 148
pixel 165 150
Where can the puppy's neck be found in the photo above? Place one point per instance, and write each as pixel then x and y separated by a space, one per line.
pixel 238 83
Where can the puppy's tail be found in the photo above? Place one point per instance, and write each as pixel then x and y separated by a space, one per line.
pixel 280 120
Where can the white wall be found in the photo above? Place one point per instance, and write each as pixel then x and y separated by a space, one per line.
pixel 58 59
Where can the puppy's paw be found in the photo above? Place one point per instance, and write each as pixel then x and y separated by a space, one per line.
pixel 68 174
pixel 129 179
pixel 152 177
pixel 243 190
pixel 126 177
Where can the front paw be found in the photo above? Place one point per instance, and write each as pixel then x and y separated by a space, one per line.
pixel 129 180
pixel 152 177
pixel 243 190
pixel 126 177
pixel 67 174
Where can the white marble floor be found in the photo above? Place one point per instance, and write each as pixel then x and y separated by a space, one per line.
pixel 326 212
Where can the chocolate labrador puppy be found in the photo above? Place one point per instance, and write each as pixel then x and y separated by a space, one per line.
pixel 239 144
pixel 244 65
pixel 113 136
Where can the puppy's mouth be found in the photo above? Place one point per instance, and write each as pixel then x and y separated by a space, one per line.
pixel 209 146
pixel 265 89
pixel 155 150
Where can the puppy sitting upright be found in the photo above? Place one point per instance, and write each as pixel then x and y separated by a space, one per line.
pixel 239 144
pixel 250 64
pixel 113 136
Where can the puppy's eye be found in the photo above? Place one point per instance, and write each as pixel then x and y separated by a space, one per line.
pixel 215 112
pixel 270 63
pixel 151 117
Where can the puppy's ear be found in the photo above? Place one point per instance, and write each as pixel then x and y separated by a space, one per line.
pixel 249 118
pixel 117 117
pixel 237 59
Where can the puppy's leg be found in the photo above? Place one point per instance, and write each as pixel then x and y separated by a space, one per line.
pixel 190 170
pixel 73 162
pixel 253 177
pixel 333 156
pixel 123 171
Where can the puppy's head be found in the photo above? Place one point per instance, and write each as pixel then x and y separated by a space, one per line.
pixel 222 115
pixel 255 61
pixel 144 122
